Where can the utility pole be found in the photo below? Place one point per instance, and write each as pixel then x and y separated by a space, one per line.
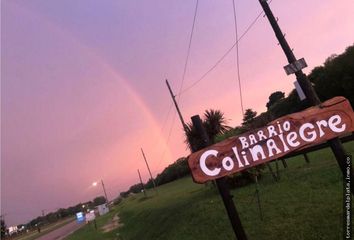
pixel 221 184
pixel 311 96
pixel 177 108
pixel 141 182
pixel 300 76
pixel 147 165
pixel 104 190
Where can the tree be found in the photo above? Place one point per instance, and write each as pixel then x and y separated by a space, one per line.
pixel 214 123
pixel 124 194
pixel 3 228
pixel 335 77
pixel 174 171
pixel 249 116
pixel 136 188
pixel 51 217
pixel 275 97
pixel 99 200
pixel 62 212
pixel 192 137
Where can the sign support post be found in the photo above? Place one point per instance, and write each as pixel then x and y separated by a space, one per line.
pixel 312 98
pixel 284 163
pixel 272 172
pixel 222 187
pixel 258 198
pixel 277 169
pixel 306 158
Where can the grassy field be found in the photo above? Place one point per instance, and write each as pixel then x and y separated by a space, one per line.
pixel 305 204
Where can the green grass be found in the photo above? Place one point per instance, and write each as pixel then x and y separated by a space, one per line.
pixel 305 204
pixel 89 231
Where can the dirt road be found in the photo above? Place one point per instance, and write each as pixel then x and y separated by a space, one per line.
pixel 62 232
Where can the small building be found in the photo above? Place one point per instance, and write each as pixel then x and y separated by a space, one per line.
pixel 102 209
pixel 12 230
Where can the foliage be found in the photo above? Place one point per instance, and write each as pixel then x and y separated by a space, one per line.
pixel 117 200
pixel 193 138
pixel 136 188
pixel 248 117
pixel 232 132
pixel 174 171
pixel 274 98
pixel 51 217
pixel 99 200
pixel 63 212
pixel 335 77
pixel 3 228
pixel 214 123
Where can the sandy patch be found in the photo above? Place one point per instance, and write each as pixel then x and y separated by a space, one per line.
pixel 111 225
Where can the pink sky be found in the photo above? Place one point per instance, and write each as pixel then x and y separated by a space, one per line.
pixel 83 85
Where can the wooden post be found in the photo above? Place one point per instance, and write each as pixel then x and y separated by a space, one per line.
pixel 306 158
pixel 221 184
pixel 271 172
pixel 285 165
pixel 311 96
pixel 141 182
pixel 95 223
pixel 258 198
pixel 277 168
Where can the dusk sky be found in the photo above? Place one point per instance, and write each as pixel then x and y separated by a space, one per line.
pixel 83 85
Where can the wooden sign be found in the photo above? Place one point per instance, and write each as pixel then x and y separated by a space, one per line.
pixel 282 136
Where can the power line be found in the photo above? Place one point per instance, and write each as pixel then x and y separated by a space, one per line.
pixel 224 55
pixel 237 57
pixel 164 123
pixel 184 72
pixel 208 71
pixel 168 140
pixel 189 48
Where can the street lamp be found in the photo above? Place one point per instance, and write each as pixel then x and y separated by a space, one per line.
pixel 104 189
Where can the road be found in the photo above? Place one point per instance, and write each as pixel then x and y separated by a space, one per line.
pixel 62 232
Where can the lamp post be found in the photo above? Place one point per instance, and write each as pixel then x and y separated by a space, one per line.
pixel 104 189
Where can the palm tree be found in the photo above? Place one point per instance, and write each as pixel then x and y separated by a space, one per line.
pixel 214 123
